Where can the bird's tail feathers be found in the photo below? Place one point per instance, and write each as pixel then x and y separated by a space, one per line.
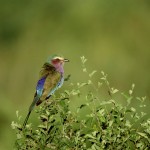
pixel 26 120
pixel 36 98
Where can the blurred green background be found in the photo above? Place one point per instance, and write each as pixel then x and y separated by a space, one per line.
pixel 113 35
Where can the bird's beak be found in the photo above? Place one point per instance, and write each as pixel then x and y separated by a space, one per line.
pixel 66 60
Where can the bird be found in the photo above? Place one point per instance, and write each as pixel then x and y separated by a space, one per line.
pixel 51 78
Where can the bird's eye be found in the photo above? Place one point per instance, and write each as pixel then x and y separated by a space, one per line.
pixel 56 59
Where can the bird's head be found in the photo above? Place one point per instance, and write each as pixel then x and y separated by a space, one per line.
pixel 58 61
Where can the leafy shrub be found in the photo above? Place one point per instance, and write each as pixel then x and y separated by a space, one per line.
pixel 97 124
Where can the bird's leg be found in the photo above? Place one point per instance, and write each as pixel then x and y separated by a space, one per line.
pixel 47 97
pixel 38 102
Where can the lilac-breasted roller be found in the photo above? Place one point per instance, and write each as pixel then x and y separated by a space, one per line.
pixel 51 78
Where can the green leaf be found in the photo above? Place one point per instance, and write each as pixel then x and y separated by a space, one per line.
pixel 143 135
pixel 128 124
pixel 113 91
pixel 90 136
pixel 42 126
pixel 92 73
pixel 133 109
